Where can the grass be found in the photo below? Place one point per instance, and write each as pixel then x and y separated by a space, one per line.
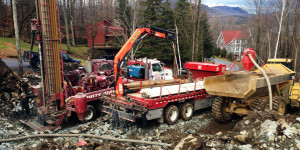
pixel 78 52
pixel 25 46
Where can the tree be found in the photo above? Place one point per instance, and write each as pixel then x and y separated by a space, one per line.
pixel 72 3
pixel 207 37
pixel 15 17
pixel 183 20
pixel 258 8
pixel 66 26
pixel 198 42
pixel 280 20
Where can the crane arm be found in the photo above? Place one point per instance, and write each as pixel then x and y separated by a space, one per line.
pixel 133 40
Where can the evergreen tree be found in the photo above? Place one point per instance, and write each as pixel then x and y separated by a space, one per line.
pixel 207 37
pixel 159 14
pixel 183 21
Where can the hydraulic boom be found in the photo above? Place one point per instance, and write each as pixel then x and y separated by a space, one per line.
pixel 132 41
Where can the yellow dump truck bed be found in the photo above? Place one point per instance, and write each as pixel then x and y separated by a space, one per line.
pixel 243 84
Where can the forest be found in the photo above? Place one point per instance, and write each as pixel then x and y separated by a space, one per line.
pixel 272 24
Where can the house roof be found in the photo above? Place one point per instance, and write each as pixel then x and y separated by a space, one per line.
pixel 228 36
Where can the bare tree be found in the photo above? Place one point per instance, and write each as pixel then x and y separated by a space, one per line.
pixel 15 17
pixel 93 19
pixel 66 26
pixel 72 3
pixel 257 8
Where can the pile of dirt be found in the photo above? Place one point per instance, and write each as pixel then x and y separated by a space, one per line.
pixel 268 129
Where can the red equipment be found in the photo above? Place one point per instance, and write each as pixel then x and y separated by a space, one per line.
pixel 201 70
pixel 80 102
pixel 248 65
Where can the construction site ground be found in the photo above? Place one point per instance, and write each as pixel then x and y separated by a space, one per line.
pixel 259 130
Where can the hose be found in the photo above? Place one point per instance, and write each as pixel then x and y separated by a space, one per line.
pixel 84 135
pixel 267 79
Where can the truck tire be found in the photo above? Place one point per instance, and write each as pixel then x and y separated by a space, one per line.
pixel 259 104
pixel 171 114
pixel 186 111
pixel 218 110
pixel 90 113
pixel 278 105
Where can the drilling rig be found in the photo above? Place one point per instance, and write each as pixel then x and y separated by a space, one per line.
pixel 57 98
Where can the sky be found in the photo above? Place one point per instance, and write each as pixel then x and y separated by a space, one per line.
pixel 232 3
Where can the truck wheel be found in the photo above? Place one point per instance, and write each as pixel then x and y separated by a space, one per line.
pixel 186 111
pixel 278 105
pixel 90 113
pixel 171 115
pixel 218 110
pixel 258 104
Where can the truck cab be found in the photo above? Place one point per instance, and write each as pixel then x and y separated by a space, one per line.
pixel 151 69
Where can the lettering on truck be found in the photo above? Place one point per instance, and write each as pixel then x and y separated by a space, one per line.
pixel 99 94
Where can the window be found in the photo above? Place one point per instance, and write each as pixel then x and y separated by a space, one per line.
pixel 156 67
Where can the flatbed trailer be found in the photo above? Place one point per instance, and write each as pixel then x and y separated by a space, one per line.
pixel 164 108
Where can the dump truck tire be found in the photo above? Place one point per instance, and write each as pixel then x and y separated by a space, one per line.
pixel 186 111
pixel 278 105
pixel 218 110
pixel 90 113
pixel 258 104
pixel 171 115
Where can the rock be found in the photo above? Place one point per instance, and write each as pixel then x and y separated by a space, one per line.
pixel 245 147
pixel 228 146
pixel 290 132
pixel 219 133
pixel 246 122
pixel 268 128
pixel 271 148
pixel 241 138
pixel 298 119
pixel 191 142
pixel 75 131
pixel 34 145
pixel 271 138
pixel 190 131
pixel 298 146
pixel 116 133
pixel 212 143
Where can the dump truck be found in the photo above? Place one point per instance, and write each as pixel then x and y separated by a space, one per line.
pixel 239 92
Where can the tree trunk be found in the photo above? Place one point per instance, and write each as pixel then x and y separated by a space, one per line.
pixel 66 26
pixel 177 42
pixel 193 36
pixel 72 22
pixel 198 32
pixel 133 27
pixel 280 26
pixel 15 17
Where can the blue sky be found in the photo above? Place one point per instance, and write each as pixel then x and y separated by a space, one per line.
pixel 232 3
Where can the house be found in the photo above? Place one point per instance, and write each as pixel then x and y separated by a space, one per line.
pixel 105 33
pixel 234 41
